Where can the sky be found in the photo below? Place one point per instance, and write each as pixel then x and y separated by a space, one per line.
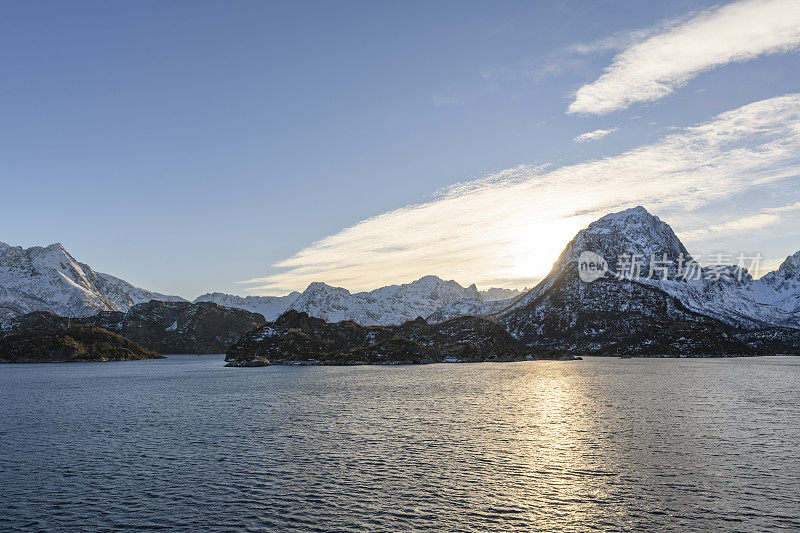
pixel 255 147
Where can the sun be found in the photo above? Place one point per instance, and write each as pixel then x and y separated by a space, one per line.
pixel 534 245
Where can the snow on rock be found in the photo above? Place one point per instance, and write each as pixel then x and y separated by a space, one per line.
pixel 50 279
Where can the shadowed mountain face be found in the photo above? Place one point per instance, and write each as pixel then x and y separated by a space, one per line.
pixel 180 327
pixel 42 337
pixel 617 317
pixel 296 337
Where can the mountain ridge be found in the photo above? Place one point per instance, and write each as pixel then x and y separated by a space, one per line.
pixel 48 278
pixel 388 305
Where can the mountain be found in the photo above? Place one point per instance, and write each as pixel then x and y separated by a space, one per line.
pixel 297 338
pixel 42 337
pixel 179 327
pixel 781 288
pixel 50 279
pixel 393 304
pixel 661 301
pixel 472 307
pixel 270 307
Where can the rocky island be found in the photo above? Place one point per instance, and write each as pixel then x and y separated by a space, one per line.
pixel 42 337
pixel 297 338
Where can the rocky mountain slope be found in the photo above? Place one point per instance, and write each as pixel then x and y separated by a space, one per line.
pixel 393 304
pixel 42 337
pixel 180 327
pixel 297 338
pixel 50 279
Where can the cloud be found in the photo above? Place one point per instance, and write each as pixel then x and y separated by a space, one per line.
pixel 749 223
pixel 657 66
pixel 514 223
pixel 617 41
pixel 784 209
pixel 593 135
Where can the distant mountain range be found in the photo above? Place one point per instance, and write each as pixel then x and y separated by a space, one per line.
pixel 670 300
pixel 393 304
pixel 50 279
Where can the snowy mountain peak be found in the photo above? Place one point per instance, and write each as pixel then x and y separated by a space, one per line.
pixel 270 307
pixel 787 274
pixel 781 288
pixel 318 287
pixel 628 240
pixel 790 268
pixel 627 215
pixel 427 280
pixel 50 279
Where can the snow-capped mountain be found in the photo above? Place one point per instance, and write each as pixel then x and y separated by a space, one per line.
pixel 652 282
pixel 781 288
pixel 636 245
pixel 393 304
pixel 496 294
pixel 270 307
pixel 50 279
pixel 650 278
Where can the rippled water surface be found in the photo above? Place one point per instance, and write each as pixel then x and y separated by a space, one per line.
pixel 185 443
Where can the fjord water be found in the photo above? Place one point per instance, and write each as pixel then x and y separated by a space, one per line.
pixel 184 443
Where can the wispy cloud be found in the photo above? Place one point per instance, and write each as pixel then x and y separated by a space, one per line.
pixel 619 40
pixel 441 99
pixel 514 223
pixel 569 58
pixel 663 62
pixel 784 208
pixel 770 216
pixel 593 135
pixel 748 223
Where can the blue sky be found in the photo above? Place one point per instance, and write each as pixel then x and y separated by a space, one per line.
pixel 190 146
